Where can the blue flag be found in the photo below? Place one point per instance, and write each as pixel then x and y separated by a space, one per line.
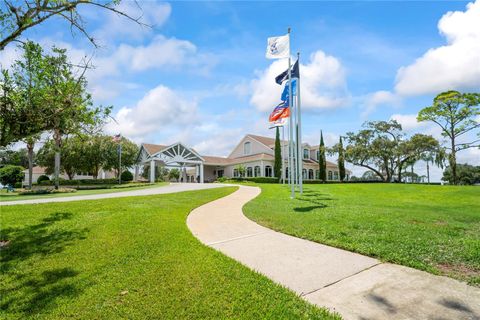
pixel 285 90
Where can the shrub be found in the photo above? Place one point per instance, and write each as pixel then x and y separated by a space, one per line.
pixel 46 191
pixel 222 179
pixel 10 175
pixel 127 176
pixel 42 178
pixel 64 182
pixel 257 180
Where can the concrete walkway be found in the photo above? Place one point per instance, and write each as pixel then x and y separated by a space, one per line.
pixel 356 286
pixel 171 188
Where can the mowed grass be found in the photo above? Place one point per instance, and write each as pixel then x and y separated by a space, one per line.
pixel 128 258
pixel 432 228
pixel 13 196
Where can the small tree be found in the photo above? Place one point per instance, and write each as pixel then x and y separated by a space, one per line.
pixel 455 114
pixel 241 170
pixel 277 166
pixel 322 160
pixel 14 157
pixel 70 107
pixel 174 174
pixel 341 160
pixel 9 175
pixel 126 176
pixel 129 154
pixel 72 161
pixel 466 174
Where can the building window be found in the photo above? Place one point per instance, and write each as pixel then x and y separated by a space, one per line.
pixel 247 148
pixel 306 154
pixel 268 171
pixel 235 173
pixel 330 175
pixel 257 171
pixel 249 172
pixel 335 175
pixel 310 174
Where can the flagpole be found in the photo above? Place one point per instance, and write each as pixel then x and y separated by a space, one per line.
pixel 120 161
pixel 299 131
pixel 291 170
pixel 283 153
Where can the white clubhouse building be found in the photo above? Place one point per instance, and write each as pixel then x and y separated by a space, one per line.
pixel 254 153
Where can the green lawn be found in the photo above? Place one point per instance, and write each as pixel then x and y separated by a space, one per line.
pixel 432 228
pixel 9 196
pixel 129 258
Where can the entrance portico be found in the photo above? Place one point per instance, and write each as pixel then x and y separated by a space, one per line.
pixel 176 155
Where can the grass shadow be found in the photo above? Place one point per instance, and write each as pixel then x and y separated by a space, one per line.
pixel 27 290
pixel 309 208
pixel 34 293
pixel 313 197
pixel 38 239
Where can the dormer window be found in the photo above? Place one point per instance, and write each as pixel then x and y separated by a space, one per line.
pixel 306 154
pixel 247 148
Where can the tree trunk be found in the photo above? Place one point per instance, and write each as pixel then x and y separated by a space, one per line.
pixel 30 164
pixel 428 173
pixel 400 166
pixel 58 141
pixel 453 162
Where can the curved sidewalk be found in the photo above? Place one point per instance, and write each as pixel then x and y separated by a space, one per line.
pixel 356 286
pixel 171 188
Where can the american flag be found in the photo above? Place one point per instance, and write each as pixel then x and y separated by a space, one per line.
pixel 117 138
pixel 280 111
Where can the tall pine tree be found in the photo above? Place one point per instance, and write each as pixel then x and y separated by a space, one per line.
pixel 277 166
pixel 341 160
pixel 322 161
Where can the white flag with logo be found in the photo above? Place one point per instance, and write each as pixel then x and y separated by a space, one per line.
pixel 278 47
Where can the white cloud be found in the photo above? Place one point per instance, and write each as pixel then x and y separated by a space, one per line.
pixel 378 98
pixel 160 52
pixel 408 121
pixel 453 66
pixel 159 110
pixel 322 80
pixel 8 56
pixel 115 26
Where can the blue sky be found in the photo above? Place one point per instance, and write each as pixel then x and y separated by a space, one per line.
pixel 200 75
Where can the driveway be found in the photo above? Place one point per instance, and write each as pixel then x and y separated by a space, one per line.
pixel 171 188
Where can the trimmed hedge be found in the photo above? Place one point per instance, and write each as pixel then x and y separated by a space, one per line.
pixel 46 191
pixel 126 176
pixel 257 180
pixel 42 178
pixel 64 182
pixel 111 186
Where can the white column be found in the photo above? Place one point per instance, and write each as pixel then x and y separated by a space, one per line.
pixel 197 172
pixel 136 173
pixel 201 173
pixel 152 171
pixel 262 169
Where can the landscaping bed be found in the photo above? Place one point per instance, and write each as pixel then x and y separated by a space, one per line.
pixel 47 191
